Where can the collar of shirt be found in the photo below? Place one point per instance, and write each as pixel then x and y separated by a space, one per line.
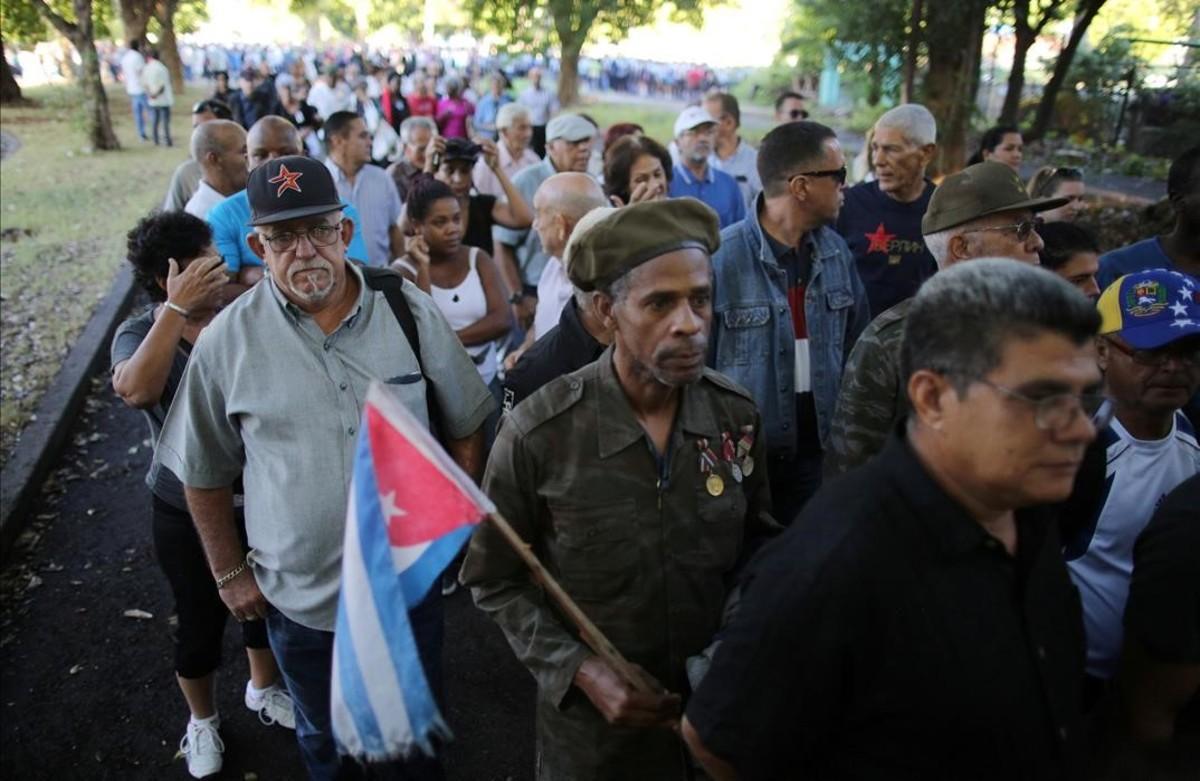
pixel 943 520
pixel 296 313
pixel 682 170
pixel 621 428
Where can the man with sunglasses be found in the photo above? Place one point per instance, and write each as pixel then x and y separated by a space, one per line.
pixel 982 211
pixel 917 620
pixel 789 107
pixel 1149 350
pixel 788 304
pixel 274 392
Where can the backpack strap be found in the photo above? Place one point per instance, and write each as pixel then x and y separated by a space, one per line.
pixel 391 284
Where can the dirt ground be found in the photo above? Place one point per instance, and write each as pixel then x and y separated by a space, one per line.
pixel 87 693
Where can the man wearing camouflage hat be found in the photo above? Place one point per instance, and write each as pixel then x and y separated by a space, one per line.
pixel 982 211
pixel 273 393
pixel 636 480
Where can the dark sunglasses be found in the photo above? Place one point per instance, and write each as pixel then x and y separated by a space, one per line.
pixel 836 174
pixel 797 113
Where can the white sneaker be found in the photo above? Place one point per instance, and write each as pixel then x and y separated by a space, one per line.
pixel 202 747
pixel 274 706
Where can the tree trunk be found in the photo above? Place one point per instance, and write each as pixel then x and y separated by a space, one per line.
pixel 1016 77
pixel 10 90
pixel 1045 110
pixel 168 50
pixel 568 74
pixel 910 53
pixel 135 18
pixel 875 83
pixel 95 99
pixel 954 36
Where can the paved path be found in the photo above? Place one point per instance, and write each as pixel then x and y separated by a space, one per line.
pixel 89 694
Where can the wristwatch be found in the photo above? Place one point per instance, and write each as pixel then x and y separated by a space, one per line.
pixel 516 297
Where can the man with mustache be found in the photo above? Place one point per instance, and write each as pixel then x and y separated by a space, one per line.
pixel 274 392
pixel 1149 350
pixel 636 480
pixel 696 138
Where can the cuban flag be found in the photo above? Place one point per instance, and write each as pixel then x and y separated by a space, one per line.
pixel 411 509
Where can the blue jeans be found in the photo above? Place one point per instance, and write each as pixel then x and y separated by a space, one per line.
pixel 305 659
pixel 140 105
pixel 162 117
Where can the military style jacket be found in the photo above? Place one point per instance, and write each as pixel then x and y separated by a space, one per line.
pixel 646 544
pixel 872 397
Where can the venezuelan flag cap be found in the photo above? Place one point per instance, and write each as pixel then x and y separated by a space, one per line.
pixel 1152 308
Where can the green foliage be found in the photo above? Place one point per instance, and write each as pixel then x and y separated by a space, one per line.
pixel 405 14
pixel 339 14
pixel 24 24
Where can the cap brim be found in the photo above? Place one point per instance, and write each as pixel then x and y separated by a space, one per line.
pixel 1155 335
pixel 294 214
pixel 1034 205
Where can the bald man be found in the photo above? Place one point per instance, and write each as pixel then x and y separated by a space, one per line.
pixel 269 138
pixel 219 147
pixel 558 205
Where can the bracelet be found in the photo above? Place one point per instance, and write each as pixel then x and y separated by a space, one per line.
pixel 225 579
pixel 517 297
pixel 177 308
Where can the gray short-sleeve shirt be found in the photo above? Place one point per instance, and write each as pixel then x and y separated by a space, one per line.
pixel 268 395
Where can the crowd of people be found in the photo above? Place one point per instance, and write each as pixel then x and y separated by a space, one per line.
pixel 891 480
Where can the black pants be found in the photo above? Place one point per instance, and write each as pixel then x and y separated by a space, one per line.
pixel 201 612
pixel 538 144
pixel 162 116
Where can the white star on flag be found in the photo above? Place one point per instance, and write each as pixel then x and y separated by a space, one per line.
pixel 1180 310
pixel 1185 296
pixel 1188 280
pixel 390 510
pixel 1181 323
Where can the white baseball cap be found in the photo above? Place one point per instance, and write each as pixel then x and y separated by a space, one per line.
pixel 692 117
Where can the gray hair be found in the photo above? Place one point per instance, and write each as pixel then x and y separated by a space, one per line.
pixel 961 319
pixel 913 120
pixel 938 244
pixel 209 138
pixel 412 123
pixel 510 113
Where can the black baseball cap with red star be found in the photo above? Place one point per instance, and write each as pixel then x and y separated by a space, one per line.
pixel 287 188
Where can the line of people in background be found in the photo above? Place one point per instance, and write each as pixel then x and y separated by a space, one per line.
pixel 1011 425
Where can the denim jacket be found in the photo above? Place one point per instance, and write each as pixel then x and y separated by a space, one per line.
pixel 753 341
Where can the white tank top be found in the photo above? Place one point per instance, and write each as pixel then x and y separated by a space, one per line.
pixel 463 305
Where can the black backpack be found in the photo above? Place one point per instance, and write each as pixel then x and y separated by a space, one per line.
pixel 391 284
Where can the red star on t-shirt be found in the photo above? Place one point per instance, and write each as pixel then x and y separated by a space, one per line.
pixel 286 180
pixel 880 239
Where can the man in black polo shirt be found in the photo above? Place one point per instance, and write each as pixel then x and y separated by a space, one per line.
pixel 916 620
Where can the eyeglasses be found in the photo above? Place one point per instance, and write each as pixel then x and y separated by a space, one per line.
pixel 797 113
pixel 318 235
pixel 837 174
pixel 1186 351
pixel 1056 412
pixel 1024 228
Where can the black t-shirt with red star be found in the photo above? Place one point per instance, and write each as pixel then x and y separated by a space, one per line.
pixel 884 236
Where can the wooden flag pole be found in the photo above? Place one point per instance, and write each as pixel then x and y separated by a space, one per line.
pixel 588 631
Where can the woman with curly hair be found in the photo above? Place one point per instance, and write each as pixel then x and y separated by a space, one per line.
pixel 174 260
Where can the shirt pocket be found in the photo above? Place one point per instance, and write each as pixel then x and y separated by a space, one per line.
pixel 838 299
pixel 722 522
pixel 747 331
pixel 596 549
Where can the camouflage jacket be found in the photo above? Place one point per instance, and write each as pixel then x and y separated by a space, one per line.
pixel 872 397
pixel 640 542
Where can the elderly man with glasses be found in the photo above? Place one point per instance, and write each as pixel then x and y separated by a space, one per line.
pixel 917 620
pixel 274 392
pixel 982 211
pixel 1149 350
pixel 788 304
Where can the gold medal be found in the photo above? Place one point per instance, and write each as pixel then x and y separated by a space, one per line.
pixel 748 465
pixel 715 485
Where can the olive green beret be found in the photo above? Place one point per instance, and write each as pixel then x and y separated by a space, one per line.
pixel 634 234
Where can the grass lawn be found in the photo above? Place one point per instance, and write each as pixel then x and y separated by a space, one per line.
pixel 64 212
pixel 658 119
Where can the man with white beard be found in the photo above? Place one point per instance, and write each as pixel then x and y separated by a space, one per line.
pixel 274 393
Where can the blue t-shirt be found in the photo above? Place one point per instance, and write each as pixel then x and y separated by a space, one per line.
pixel 1143 255
pixel 719 190
pixel 884 235
pixel 230 223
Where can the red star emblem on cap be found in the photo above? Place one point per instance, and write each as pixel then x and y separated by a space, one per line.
pixel 880 239
pixel 286 180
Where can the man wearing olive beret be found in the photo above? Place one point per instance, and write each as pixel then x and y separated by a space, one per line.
pixel 636 481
